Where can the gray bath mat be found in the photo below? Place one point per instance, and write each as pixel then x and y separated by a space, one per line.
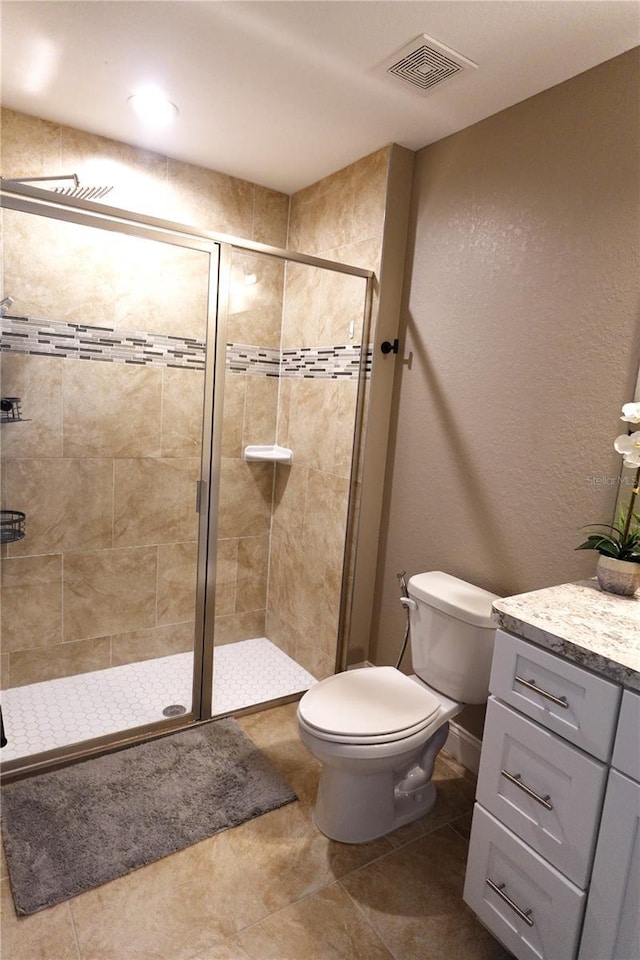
pixel 68 831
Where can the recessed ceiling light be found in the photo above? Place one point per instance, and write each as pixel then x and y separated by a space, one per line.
pixel 153 107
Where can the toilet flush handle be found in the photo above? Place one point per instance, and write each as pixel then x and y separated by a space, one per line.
pixel 408 603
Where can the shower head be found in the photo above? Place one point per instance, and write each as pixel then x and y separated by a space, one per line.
pixel 77 190
pixel 6 305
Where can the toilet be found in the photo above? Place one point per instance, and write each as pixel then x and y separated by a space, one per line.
pixel 377 731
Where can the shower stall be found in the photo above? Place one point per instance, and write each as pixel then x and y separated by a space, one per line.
pixel 182 421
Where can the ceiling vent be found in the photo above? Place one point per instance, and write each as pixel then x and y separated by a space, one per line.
pixel 425 64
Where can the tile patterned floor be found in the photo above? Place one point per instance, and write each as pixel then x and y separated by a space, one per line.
pixel 41 716
pixel 276 889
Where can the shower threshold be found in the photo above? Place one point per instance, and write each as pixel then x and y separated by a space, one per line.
pixel 55 713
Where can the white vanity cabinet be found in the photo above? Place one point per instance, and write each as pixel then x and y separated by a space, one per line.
pixel 549 738
pixel 612 921
pixel 546 791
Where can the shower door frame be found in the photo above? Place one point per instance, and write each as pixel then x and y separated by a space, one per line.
pixel 34 200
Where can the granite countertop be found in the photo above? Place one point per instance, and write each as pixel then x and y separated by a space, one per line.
pixel 579 621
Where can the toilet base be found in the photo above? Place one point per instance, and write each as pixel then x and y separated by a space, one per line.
pixel 356 808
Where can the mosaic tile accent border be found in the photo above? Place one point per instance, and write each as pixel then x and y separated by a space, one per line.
pixel 339 362
pixel 53 338
pixel 245 358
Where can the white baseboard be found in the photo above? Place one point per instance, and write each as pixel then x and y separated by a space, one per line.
pixel 463 747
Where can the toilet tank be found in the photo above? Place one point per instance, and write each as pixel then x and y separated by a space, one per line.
pixel 452 635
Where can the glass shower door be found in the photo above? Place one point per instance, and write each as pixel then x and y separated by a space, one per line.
pixel 105 372
pixel 288 490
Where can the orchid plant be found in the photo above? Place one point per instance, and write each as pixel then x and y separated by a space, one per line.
pixel 622 539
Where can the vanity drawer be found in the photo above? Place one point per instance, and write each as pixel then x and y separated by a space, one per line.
pixel 576 704
pixel 626 751
pixel 529 906
pixel 548 792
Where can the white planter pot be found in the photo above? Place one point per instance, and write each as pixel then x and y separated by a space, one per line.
pixel 618 576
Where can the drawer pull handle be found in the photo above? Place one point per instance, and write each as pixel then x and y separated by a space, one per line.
pixel 531 685
pixel 499 889
pixel 516 778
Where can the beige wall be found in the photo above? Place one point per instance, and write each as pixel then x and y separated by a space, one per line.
pixel 521 341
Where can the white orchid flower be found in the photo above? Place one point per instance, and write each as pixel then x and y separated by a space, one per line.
pixel 629 447
pixel 631 413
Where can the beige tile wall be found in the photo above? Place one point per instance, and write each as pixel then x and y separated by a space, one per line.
pixel 106 465
pixel 339 218
pixel 83 275
pixel 109 556
pixel 143 181
pixel 109 576
pixel 250 417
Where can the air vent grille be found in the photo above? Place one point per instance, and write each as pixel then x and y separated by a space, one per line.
pixel 425 67
pixel 425 63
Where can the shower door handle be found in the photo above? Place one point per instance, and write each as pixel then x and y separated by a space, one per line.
pixel 201 489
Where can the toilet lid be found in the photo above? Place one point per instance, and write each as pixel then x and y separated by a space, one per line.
pixel 369 702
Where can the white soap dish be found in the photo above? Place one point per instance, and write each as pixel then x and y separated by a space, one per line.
pixel 271 452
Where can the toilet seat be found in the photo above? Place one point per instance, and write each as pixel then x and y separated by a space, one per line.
pixel 368 705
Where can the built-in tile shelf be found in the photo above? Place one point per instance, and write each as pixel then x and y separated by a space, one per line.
pixel 269 453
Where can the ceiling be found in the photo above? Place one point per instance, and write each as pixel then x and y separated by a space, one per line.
pixel 284 93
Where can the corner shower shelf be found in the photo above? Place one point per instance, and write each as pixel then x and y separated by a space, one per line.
pixel 11 525
pixel 272 453
pixel 10 410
